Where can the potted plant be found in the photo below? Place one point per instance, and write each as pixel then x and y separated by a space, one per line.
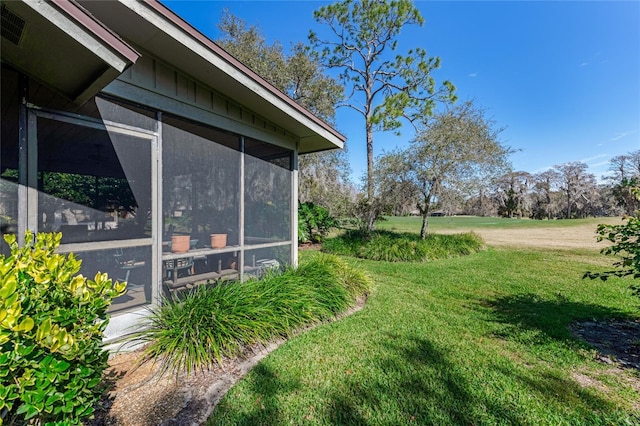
pixel 218 240
pixel 180 243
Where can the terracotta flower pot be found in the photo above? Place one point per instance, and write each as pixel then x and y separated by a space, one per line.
pixel 180 243
pixel 218 240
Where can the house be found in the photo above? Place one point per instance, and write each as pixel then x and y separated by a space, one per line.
pixel 128 130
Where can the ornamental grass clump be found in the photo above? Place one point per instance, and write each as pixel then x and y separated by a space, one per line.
pixel 392 246
pixel 207 324
pixel 51 329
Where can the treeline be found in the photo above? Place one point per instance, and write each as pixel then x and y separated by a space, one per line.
pixel 565 191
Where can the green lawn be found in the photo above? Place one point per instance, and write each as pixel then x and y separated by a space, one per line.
pixel 465 223
pixel 479 339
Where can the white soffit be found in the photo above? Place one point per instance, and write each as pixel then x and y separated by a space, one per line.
pixel 64 47
pixel 73 30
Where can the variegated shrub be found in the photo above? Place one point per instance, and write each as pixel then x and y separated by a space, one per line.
pixel 51 329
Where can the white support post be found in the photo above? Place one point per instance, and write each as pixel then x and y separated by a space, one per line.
pixel 294 209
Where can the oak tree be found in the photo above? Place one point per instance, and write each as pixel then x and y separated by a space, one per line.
pixel 576 186
pixel 458 149
pixel 625 175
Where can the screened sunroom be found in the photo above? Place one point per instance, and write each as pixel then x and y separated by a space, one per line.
pixel 170 166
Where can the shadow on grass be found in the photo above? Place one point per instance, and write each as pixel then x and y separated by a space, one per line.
pixel 548 318
pixel 265 408
pixel 435 393
pixel 453 397
pixel 416 382
pixel 438 391
pixel 550 387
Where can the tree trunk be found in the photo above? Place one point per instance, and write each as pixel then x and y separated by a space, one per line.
pixel 425 224
pixel 424 210
pixel 370 183
pixel 371 218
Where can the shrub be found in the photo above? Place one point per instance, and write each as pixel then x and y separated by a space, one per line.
pixel 314 223
pixel 626 245
pixel 391 246
pixel 51 330
pixel 209 323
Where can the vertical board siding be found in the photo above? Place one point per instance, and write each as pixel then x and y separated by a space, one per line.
pixel 204 97
pixel 186 89
pixel 235 111
pixel 219 104
pixel 142 73
pixel 166 80
pixel 248 117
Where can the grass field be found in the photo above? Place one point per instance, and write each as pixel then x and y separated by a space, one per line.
pixel 480 339
pixel 517 233
pixel 464 223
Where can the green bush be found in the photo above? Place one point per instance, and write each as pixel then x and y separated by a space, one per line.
pixel 207 324
pixel 626 246
pixel 391 246
pixel 314 223
pixel 51 329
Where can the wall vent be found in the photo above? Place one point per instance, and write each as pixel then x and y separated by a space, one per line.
pixel 11 26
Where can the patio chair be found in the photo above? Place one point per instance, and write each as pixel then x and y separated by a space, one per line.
pixel 176 268
pixel 127 264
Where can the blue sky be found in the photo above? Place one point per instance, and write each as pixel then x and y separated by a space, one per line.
pixel 563 77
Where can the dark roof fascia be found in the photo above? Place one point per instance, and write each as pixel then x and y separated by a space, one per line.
pixel 82 17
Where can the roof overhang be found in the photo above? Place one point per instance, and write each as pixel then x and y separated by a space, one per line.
pixel 152 27
pixel 61 45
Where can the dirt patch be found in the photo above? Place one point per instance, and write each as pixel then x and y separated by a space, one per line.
pixel 309 246
pixel 573 237
pixel 144 397
pixel 617 342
